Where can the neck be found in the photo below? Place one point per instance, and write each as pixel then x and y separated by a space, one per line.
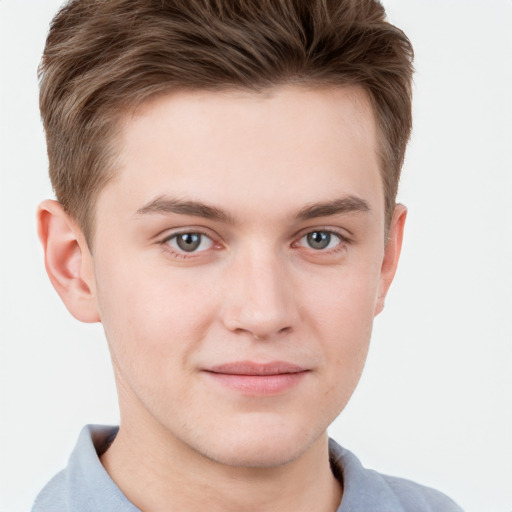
pixel 158 473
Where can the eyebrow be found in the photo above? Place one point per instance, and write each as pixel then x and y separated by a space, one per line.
pixel 196 209
pixel 165 205
pixel 349 204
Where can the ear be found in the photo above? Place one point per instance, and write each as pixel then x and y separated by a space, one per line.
pixel 68 260
pixel 391 254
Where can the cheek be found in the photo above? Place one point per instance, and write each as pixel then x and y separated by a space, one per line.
pixel 341 312
pixel 150 314
pixel 344 302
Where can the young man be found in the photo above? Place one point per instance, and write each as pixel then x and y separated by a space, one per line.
pixel 226 174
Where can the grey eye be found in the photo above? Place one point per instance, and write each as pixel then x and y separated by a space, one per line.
pixel 319 239
pixel 190 242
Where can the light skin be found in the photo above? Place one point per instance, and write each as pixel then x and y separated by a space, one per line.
pixel 239 258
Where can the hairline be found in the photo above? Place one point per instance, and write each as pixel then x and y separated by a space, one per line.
pixel 112 147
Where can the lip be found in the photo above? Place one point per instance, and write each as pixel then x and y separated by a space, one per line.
pixel 259 379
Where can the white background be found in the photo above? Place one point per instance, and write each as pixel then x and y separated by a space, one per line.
pixel 435 401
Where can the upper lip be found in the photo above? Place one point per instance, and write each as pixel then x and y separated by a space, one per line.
pixel 252 368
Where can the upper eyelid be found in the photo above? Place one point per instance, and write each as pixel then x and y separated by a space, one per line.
pixel 177 253
pixel 165 243
pixel 343 242
pixel 168 234
pixel 341 233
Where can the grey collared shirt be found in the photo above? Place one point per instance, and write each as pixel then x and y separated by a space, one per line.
pixel 85 486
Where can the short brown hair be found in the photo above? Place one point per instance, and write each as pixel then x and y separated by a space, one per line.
pixel 104 57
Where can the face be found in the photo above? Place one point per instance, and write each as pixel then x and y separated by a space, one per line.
pixel 238 264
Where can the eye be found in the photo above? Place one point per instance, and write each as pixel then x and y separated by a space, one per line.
pixel 320 240
pixel 189 242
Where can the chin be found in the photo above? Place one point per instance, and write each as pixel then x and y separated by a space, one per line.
pixel 254 456
pixel 259 445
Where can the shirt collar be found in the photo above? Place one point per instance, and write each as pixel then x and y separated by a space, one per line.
pixel 90 487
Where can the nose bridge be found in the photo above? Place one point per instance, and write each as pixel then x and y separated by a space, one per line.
pixel 260 296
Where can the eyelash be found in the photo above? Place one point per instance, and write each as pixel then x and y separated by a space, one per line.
pixel 344 240
pixel 184 254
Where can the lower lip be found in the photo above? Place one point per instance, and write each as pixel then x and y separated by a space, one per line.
pixel 259 385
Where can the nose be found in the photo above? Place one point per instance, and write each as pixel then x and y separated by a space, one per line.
pixel 259 299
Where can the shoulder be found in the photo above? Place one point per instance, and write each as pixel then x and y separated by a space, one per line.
pixel 412 494
pixel 52 497
pixel 84 485
pixel 366 489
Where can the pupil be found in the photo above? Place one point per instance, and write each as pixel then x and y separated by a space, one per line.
pixel 188 241
pixel 319 239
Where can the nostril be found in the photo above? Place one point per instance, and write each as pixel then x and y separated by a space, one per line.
pixel 262 336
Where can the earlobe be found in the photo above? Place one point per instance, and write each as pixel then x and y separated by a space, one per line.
pixel 391 254
pixel 68 261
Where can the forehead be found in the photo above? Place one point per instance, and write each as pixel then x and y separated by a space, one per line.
pixel 287 146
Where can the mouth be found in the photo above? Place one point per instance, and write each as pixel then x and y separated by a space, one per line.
pixel 250 378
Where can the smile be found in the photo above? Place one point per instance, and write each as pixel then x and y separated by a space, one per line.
pixel 258 379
